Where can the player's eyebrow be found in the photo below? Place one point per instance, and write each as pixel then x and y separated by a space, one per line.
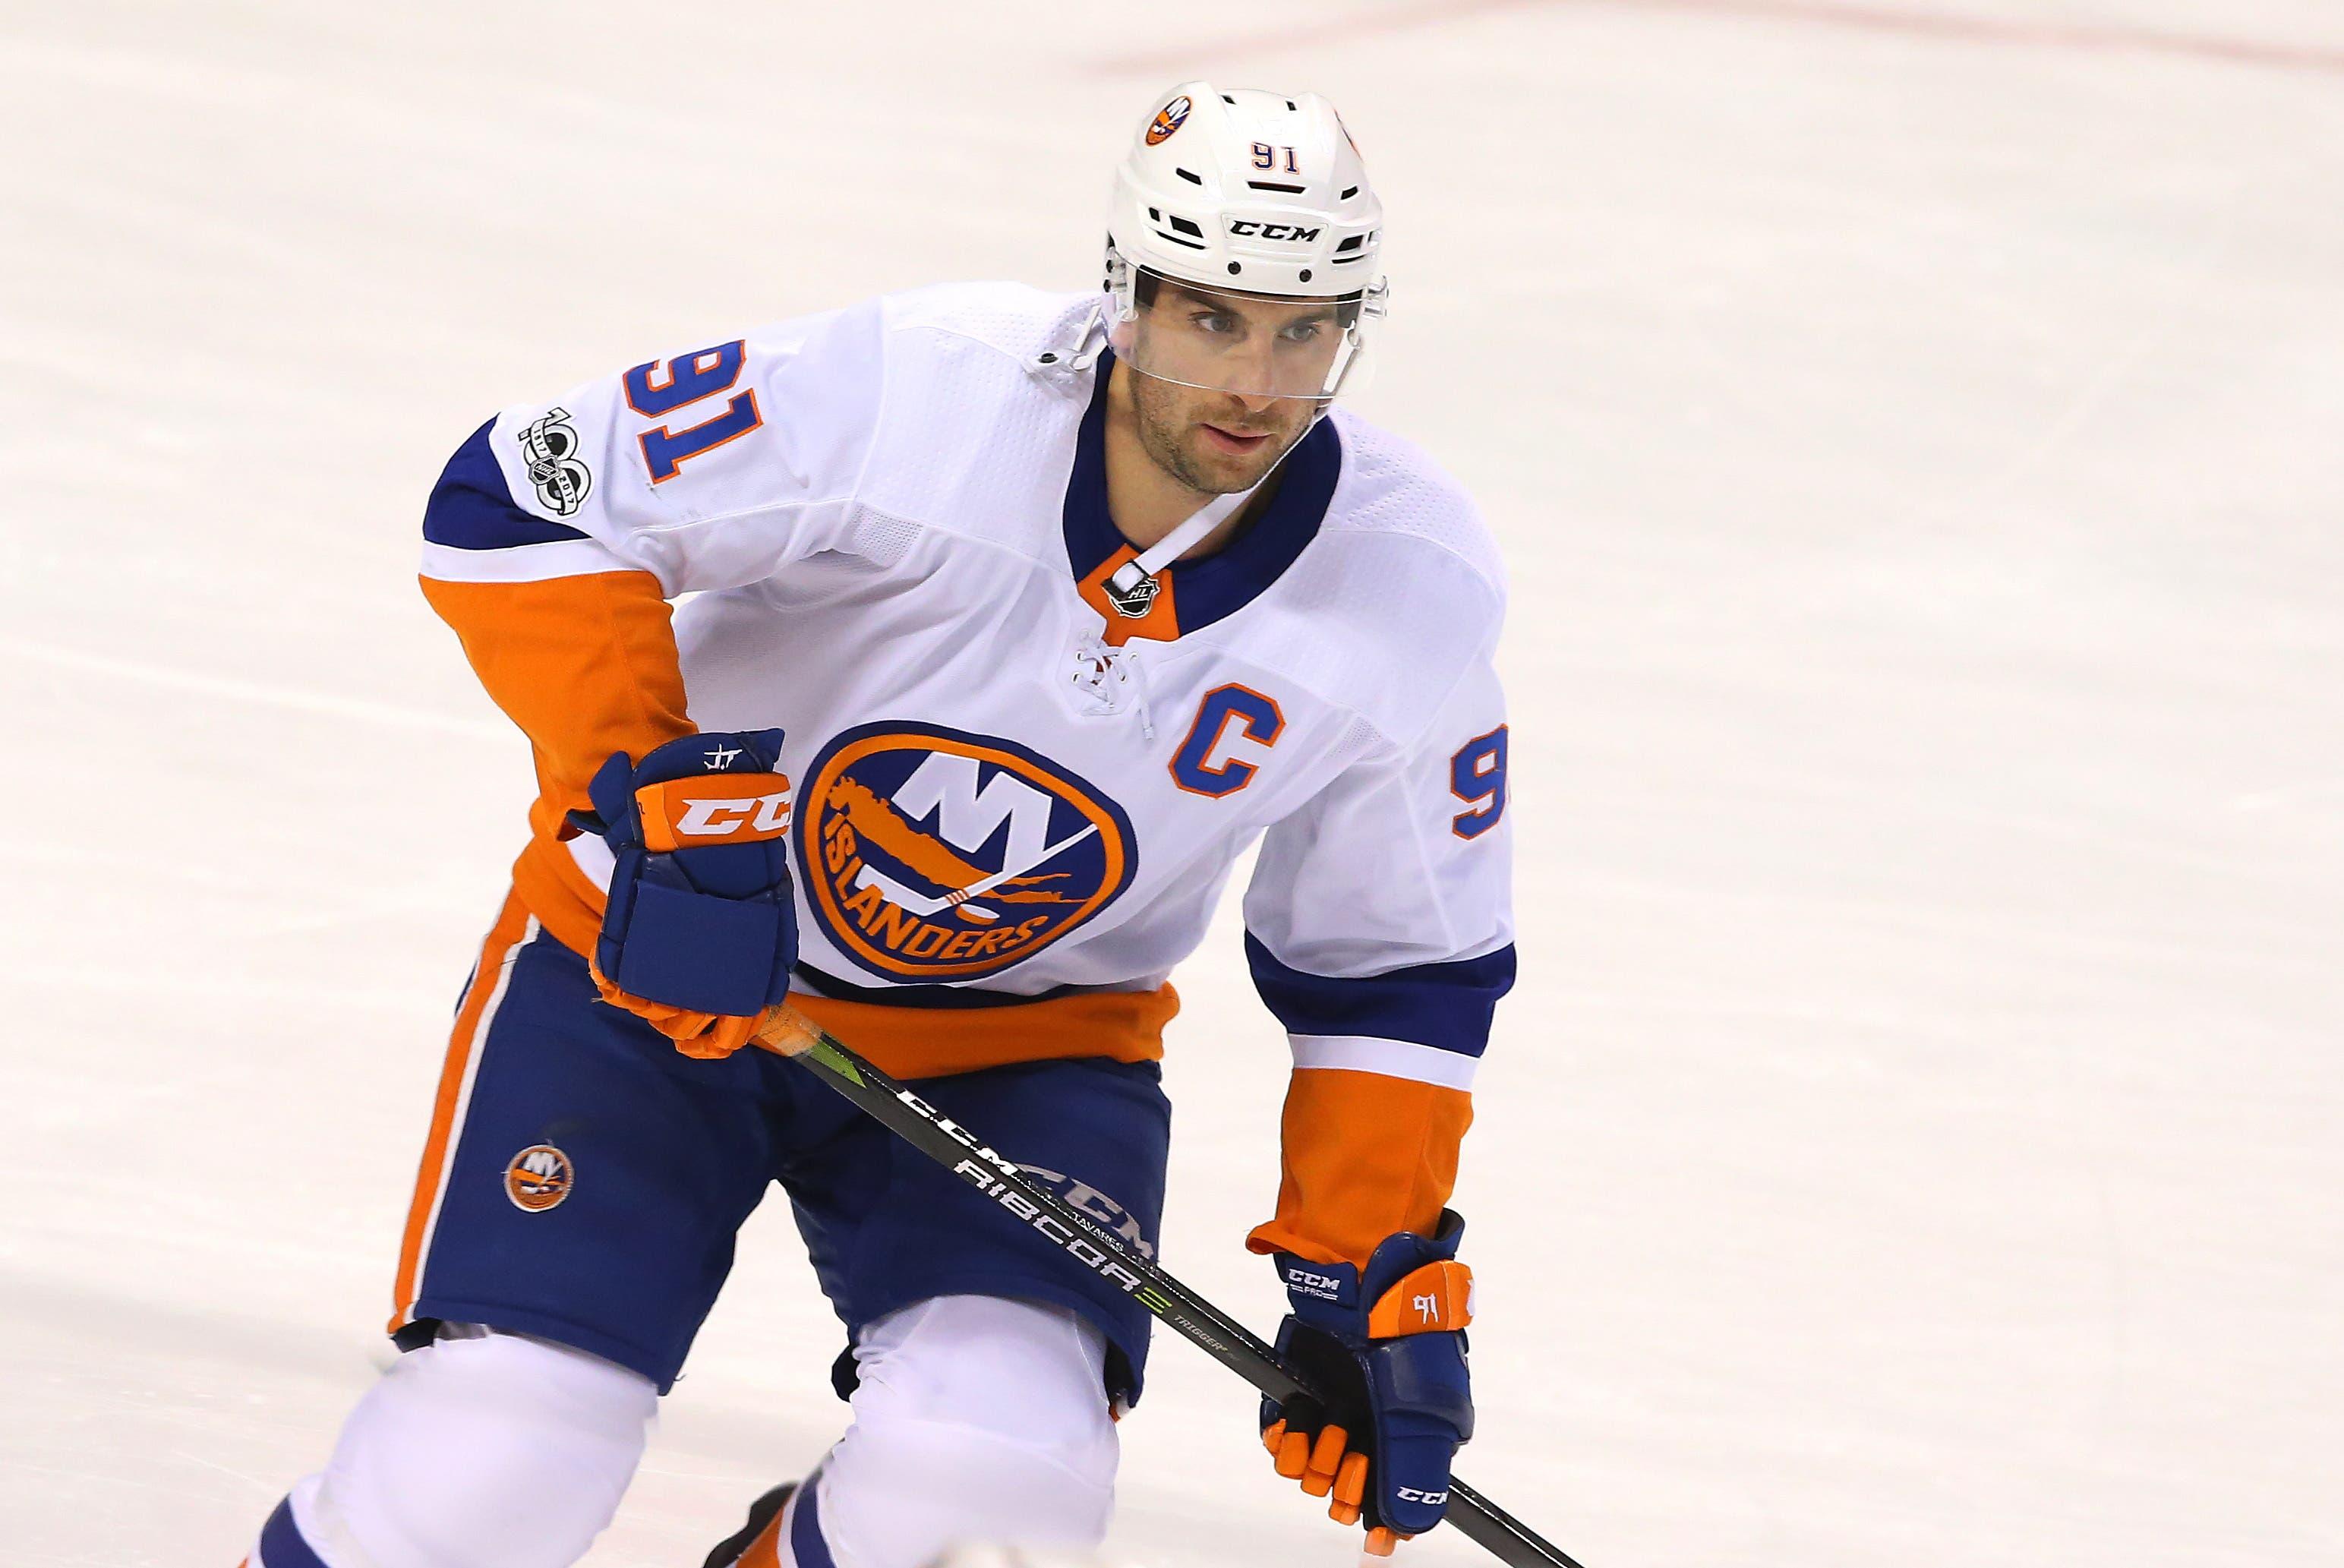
pixel 1316 311
pixel 1190 296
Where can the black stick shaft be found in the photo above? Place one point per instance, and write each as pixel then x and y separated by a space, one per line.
pixel 1092 1246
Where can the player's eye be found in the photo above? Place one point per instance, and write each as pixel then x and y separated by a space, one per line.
pixel 1215 321
pixel 1304 331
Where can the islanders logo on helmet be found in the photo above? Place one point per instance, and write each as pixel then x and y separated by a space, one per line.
pixel 539 1177
pixel 1169 118
pixel 935 856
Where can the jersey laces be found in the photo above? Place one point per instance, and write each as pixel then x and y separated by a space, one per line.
pixel 1110 680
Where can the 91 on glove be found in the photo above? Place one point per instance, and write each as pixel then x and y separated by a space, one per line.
pixel 1384 1348
pixel 700 930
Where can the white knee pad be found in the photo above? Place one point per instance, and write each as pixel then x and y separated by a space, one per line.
pixel 978 1420
pixel 479 1451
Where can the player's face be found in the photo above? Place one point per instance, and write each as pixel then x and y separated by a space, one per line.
pixel 1217 443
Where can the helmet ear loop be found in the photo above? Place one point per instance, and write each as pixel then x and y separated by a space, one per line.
pixel 1353 317
pixel 1123 287
pixel 1355 350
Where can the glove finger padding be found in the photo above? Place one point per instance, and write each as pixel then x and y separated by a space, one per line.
pixel 1328 1365
pixel 701 922
pixel 1424 1414
pixel 1383 1351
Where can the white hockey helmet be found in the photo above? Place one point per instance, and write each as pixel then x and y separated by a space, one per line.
pixel 1245 199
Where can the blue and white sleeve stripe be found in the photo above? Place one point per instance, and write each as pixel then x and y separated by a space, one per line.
pixel 473 530
pixel 1428 1023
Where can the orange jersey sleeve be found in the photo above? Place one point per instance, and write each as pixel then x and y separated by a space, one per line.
pixel 572 642
pixel 1365 1156
pixel 585 665
pixel 1379 930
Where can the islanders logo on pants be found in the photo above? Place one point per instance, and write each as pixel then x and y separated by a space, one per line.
pixel 931 855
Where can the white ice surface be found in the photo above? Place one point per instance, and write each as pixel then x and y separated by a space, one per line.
pixel 1914 425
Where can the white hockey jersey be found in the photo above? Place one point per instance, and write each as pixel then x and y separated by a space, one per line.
pixel 1016 804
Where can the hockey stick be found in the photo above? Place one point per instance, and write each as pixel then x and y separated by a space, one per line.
pixel 872 876
pixel 787 1032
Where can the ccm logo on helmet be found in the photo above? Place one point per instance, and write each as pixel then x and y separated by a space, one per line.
pixel 1273 231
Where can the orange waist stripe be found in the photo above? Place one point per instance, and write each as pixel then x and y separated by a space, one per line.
pixel 902 1042
pixel 937 1042
pixel 569 906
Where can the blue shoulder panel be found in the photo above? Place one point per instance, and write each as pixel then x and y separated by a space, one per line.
pixel 282 1545
pixel 471 508
pixel 1445 1006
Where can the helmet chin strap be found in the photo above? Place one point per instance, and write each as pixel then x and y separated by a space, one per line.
pixel 1124 584
pixel 1132 588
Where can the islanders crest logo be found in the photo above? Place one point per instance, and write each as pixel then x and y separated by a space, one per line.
pixel 932 856
pixel 1169 118
pixel 539 1177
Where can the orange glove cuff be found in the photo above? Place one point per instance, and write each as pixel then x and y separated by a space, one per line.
pixel 1437 1299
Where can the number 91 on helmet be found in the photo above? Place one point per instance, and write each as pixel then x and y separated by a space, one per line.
pixel 1243 246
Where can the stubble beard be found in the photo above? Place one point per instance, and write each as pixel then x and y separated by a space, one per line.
pixel 1165 429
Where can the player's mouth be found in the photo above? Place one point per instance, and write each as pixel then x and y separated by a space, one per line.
pixel 1237 444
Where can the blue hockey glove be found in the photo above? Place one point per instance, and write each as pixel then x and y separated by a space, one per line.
pixel 1384 1348
pixel 700 930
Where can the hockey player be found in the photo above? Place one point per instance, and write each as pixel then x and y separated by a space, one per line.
pixel 1019 618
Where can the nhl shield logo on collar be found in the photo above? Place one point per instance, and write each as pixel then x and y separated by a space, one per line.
pixel 1132 590
pixel 539 1177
